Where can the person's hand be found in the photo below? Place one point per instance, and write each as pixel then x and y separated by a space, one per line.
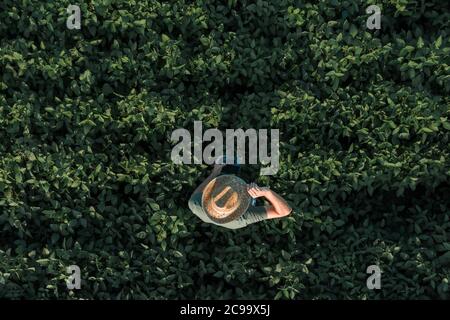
pixel 256 191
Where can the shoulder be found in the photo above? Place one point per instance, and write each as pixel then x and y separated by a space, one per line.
pixel 195 205
pixel 195 199
pixel 255 214
pixel 259 210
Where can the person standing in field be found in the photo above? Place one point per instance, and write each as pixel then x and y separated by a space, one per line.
pixel 227 201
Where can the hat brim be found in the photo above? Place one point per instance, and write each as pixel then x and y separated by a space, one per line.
pixel 238 185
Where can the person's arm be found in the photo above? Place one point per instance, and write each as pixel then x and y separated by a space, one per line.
pixel 215 172
pixel 278 206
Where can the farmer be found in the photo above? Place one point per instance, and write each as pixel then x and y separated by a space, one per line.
pixel 226 200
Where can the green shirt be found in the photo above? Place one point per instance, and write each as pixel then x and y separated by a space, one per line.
pixel 252 215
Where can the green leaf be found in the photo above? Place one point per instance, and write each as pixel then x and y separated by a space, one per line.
pixel 353 30
pixel 339 223
pixel 165 38
pixel 154 206
pixel 107 89
pixel 43 262
pixel 438 42
pixel 446 125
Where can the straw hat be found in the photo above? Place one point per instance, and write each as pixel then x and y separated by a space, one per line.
pixel 225 198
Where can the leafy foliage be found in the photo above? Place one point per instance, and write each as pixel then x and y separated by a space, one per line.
pixel 85 171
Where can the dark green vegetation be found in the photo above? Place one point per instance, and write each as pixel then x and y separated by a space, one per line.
pixel 85 123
